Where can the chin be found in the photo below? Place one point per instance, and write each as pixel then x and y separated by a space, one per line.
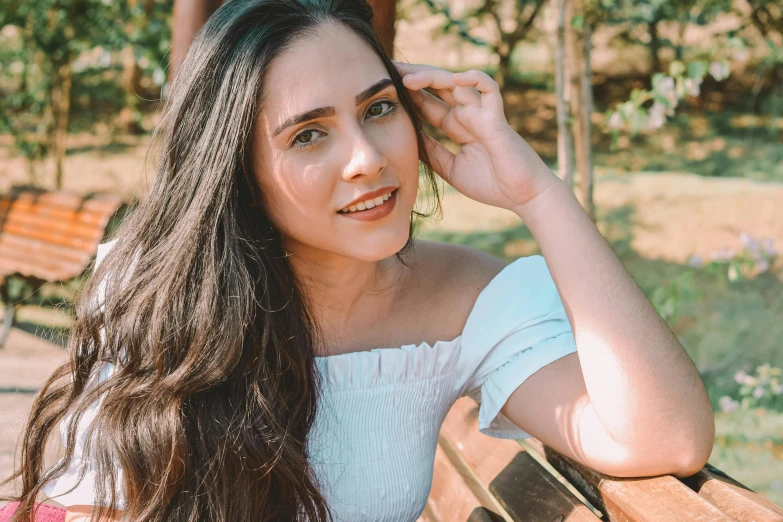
pixel 380 248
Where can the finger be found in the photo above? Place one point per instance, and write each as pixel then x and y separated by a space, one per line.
pixel 443 82
pixel 410 68
pixel 436 112
pixel 486 86
pixel 432 109
pixel 442 158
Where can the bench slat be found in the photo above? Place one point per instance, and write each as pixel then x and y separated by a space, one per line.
pixel 520 486
pixel 77 243
pixel 450 499
pixel 653 499
pixel 733 498
pixel 30 266
pixel 87 216
pixel 525 488
pixel 65 236
pixel 102 203
pixel 71 226
pixel 37 248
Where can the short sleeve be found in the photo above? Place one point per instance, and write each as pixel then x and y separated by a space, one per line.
pixel 71 488
pixel 517 326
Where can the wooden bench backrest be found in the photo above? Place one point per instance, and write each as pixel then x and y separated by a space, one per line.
pixel 482 478
pixel 51 236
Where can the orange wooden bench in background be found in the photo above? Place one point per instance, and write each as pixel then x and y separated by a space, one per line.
pixel 482 479
pixel 49 237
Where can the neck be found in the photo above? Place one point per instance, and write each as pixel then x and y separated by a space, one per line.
pixel 342 291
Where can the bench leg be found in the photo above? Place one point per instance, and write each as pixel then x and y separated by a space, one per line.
pixel 8 316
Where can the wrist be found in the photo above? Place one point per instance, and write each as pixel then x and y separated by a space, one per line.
pixel 548 187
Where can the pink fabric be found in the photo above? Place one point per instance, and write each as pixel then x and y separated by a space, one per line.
pixel 43 514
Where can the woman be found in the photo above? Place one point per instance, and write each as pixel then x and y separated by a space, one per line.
pixel 268 342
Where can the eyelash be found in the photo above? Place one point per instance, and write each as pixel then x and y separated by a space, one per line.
pixel 299 145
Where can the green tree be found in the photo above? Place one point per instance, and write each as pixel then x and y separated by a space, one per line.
pixel 520 13
pixel 50 34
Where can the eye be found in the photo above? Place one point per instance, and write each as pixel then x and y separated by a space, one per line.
pixel 307 133
pixel 392 107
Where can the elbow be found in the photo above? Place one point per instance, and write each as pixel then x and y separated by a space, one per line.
pixel 682 455
pixel 697 450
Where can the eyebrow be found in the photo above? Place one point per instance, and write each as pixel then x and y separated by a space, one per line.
pixel 322 112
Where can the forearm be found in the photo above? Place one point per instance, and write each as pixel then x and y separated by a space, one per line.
pixel 643 386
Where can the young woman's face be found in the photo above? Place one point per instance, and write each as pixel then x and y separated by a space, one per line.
pixel 359 140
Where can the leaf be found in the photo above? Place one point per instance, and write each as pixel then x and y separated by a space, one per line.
pixel 697 69
pixel 676 68
pixel 578 22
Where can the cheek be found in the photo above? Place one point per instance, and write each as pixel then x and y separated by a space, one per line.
pixel 297 195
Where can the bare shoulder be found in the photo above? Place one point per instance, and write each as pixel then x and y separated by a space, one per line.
pixel 459 265
pixel 455 275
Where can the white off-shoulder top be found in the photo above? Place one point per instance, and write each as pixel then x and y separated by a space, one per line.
pixel 373 442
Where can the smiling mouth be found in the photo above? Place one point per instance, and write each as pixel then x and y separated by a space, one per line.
pixel 369 204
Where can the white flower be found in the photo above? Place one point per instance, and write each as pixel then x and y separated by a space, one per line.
pixel 667 88
pixel 693 86
pixel 763 266
pixel 695 261
pixel 158 76
pixel 104 60
pixel 727 403
pixel 724 254
pixel 777 389
pixel 616 120
pixel 768 247
pixel 739 377
pixel 719 70
pixel 758 392
pixel 656 118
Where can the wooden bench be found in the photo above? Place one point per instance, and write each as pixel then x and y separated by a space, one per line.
pixel 479 478
pixel 49 237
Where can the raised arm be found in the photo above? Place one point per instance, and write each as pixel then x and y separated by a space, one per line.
pixel 631 400
pixel 631 403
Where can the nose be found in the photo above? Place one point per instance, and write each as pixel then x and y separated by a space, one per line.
pixel 365 157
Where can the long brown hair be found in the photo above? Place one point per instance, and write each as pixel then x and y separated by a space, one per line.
pixel 216 386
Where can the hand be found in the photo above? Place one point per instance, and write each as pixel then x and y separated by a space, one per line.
pixel 495 165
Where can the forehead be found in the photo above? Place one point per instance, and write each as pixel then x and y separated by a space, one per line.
pixel 326 68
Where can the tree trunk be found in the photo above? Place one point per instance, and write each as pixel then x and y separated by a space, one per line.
pixel 503 73
pixel 61 101
pixel 128 118
pixel 578 59
pixel 189 16
pixel 384 18
pixel 131 75
pixel 585 114
pixel 655 46
pixel 565 152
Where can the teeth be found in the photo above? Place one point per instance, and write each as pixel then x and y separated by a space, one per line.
pixel 365 205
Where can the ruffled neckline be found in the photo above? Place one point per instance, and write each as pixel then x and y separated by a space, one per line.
pixel 382 366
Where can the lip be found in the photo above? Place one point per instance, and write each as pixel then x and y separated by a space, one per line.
pixel 375 213
pixel 369 195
